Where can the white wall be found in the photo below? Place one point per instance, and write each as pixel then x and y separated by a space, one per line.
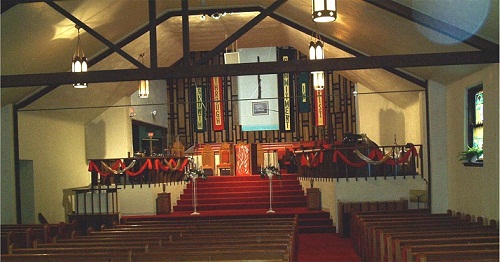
pixel 57 149
pixel 110 134
pixel 157 97
pixel 474 190
pixel 383 121
pixel 437 139
pixel 142 201
pixel 8 214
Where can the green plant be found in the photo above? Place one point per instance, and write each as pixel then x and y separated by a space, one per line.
pixel 469 154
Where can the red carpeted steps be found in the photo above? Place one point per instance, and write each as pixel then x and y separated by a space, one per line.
pixel 242 192
pixel 245 193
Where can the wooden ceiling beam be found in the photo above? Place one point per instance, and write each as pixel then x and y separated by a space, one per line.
pixel 333 64
pixel 240 32
pixel 346 48
pixel 93 33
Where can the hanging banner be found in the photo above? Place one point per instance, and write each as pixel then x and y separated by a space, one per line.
pixel 285 93
pixel 319 106
pixel 217 105
pixel 303 92
pixel 198 108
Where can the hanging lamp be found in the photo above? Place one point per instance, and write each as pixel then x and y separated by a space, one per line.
pixel 79 62
pixel 143 84
pixel 316 52
pixel 324 11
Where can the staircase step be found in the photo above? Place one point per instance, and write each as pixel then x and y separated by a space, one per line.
pixel 263 198
pixel 232 195
pixel 238 193
pixel 238 206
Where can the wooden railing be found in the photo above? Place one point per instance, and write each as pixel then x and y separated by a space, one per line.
pixel 341 162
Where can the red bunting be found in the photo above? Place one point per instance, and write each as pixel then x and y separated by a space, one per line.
pixel 375 153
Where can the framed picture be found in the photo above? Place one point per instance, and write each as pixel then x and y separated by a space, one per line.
pixel 260 108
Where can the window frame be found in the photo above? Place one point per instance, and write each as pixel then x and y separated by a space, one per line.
pixel 471 119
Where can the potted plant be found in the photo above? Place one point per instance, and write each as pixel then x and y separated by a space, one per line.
pixel 470 155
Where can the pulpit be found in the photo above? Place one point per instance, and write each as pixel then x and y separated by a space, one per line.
pixel 246 159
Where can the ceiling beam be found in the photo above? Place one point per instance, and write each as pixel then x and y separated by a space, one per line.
pixel 240 32
pixel 185 33
pixel 435 24
pixel 153 43
pixel 93 33
pixel 332 64
pixel 134 35
pixel 346 48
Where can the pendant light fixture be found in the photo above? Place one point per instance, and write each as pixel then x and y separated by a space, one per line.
pixel 79 63
pixel 324 11
pixel 316 52
pixel 143 84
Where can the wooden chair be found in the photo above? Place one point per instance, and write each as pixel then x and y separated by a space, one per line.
pixel 178 149
pixel 224 165
pixel 208 160
pixel 260 155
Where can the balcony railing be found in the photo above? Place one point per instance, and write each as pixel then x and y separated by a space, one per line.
pixel 360 162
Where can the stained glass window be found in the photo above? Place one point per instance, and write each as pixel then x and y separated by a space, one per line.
pixel 475 117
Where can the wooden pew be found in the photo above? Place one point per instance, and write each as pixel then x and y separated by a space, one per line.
pixel 461 255
pixel 374 231
pixel 214 255
pixel 410 252
pixel 398 244
pixel 274 240
pixel 387 238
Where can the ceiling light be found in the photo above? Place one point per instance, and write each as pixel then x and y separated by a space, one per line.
pixel 79 63
pixel 324 11
pixel 143 84
pixel 316 52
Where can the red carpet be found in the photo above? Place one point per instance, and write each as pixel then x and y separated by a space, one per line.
pixel 328 247
pixel 248 196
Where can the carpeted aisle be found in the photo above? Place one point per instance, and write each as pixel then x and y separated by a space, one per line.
pixel 326 247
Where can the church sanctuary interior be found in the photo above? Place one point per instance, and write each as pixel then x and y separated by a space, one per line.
pixel 269 130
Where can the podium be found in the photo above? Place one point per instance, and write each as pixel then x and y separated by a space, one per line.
pixel 163 205
pixel 246 159
pixel 313 199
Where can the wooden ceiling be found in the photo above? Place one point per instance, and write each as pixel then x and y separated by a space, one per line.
pixel 385 45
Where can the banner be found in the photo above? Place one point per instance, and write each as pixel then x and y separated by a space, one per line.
pixel 319 106
pixel 217 104
pixel 198 108
pixel 285 93
pixel 303 92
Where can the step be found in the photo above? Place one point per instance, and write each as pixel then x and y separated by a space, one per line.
pixel 237 206
pixel 262 198
pixel 225 183
pixel 243 188
pixel 231 195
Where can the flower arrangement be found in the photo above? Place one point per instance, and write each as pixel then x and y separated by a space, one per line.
pixel 270 171
pixel 194 173
pixel 470 155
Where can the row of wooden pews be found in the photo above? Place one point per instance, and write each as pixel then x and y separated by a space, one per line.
pixel 418 235
pixel 263 239
pixel 29 235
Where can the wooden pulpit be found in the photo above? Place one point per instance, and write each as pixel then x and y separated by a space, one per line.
pixel 246 159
